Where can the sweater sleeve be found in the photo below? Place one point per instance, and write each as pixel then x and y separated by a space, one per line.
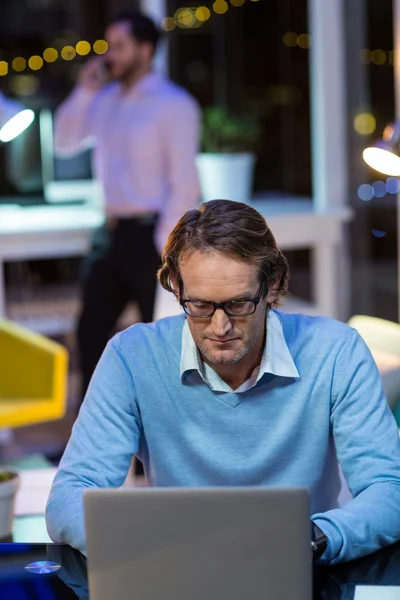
pixel 368 449
pixel 104 438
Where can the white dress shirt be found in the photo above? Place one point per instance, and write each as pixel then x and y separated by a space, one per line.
pixel 146 141
pixel 276 359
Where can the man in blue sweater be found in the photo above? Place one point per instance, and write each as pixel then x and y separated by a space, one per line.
pixel 234 392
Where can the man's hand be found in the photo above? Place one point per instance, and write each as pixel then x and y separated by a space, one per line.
pixel 93 75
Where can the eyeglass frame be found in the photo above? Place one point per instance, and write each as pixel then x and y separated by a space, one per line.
pixel 222 305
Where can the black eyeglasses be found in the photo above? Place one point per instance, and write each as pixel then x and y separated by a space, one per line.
pixel 232 308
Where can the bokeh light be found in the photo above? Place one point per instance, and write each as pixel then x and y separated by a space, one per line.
pixel 100 47
pixel 68 53
pixel 185 17
pixel 19 64
pixel 365 192
pixel 378 57
pixel 50 55
pixel 364 123
pixel 237 2
pixel 220 7
pixel 3 68
pixel 168 24
pixel 24 85
pixel 379 233
pixel 365 56
pixel 202 13
pixel 392 185
pixel 290 39
pixel 304 41
pixel 83 48
pixel 379 188
pixel 35 63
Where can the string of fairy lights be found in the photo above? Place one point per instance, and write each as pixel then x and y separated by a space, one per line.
pixel 183 18
pixel 20 64
pixel 194 17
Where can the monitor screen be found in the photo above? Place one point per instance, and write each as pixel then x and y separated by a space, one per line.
pixel 65 179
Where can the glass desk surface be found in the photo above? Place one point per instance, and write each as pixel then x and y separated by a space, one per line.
pixel 57 572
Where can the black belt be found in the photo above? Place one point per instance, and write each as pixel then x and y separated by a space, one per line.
pixel 145 219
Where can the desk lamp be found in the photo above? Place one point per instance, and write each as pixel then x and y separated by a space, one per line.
pixel 14 118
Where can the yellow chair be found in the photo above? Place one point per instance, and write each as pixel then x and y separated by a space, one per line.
pixel 383 339
pixel 33 377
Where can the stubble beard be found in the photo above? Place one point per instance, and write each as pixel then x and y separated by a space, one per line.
pixel 222 357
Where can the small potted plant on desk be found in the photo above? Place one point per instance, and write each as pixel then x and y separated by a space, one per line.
pixel 226 163
pixel 9 484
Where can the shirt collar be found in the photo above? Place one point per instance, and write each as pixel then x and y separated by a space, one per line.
pixel 148 83
pixel 276 359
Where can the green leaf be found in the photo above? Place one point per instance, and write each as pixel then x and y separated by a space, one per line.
pixel 223 131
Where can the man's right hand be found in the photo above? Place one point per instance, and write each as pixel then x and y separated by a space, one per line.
pixel 93 75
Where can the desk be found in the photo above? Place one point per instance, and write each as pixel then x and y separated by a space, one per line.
pixel 63 231
pixel 28 233
pixel 70 582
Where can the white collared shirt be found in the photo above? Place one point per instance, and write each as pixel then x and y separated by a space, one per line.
pixel 276 358
pixel 146 140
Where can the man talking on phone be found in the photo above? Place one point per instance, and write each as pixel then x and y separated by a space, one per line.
pixel 145 131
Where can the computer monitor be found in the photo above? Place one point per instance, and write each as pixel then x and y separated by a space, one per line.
pixel 65 179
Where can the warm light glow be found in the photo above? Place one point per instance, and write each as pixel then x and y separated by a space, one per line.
pixel 290 39
pixel 19 64
pixel 383 161
pixel 168 24
pixel 3 68
pixel 16 125
pixel 365 56
pixel 365 123
pixel 50 55
pixel 68 53
pixel 202 13
pixel 24 85
pixel 83 48
pixel 220 7
pixel 100 47
pixel 304 41
pixel 378 57
pixel 35 63
pixel 237 2
pixel 185 17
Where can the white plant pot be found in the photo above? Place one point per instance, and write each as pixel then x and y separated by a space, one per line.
pixel 8 491
pixel 226 176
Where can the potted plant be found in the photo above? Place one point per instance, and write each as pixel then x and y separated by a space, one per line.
pixel 226 164
pixel 9 484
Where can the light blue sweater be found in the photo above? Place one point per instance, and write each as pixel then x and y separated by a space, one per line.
pixel 285 431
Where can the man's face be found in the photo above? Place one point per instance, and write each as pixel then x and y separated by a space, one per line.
pixel 125 56
pixel 215 277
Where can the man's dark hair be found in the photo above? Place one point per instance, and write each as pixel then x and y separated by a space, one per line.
pixel 232 229
pixel 143 29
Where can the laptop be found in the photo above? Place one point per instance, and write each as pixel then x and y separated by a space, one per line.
pixel 199 544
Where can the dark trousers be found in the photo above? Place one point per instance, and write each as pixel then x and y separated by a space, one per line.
pixel 122 266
